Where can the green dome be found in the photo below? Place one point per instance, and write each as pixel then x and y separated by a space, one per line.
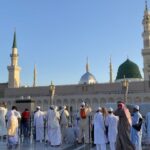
pixel 128 69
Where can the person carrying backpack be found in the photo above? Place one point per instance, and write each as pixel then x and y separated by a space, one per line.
pixel 136 131
pixel 84 125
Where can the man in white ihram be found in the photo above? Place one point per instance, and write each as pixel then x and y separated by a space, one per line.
pixel 39 124
pixel 112 123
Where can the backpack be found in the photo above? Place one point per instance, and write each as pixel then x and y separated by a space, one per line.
pixel 83 113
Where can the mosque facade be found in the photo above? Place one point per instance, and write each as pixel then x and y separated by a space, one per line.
pixel 128 85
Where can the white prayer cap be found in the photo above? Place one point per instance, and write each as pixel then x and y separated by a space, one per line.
pixel 56 108
pixel 136 107
pixel 38 107
pixel 99 108
pixel 110 109
pixel 83 104
pixel 65 107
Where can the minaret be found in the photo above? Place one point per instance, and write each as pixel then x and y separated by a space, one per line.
pixel 14 69
pixel 146 43
pixel 87 65
pixel 110 72
pixel 34 76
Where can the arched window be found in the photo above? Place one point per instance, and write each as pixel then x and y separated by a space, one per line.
pixel 111 100
pixel 58 102
pixel 66 102
pixel 45 105
pixel 146 99
pixel 137 100
pixel 102 102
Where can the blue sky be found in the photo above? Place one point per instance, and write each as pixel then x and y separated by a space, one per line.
pixel 58 36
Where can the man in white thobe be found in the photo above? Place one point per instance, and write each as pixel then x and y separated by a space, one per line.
pixel 147 124
pixel 12 130
pixel 48 119
pixel 54 133
pixel 15 138
pixel 112 123
pixel 39 124
pixel 64 117
pixel 136 135
pixel 99 131
pixel 3 112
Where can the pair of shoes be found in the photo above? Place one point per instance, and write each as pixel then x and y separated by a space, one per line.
pixel 55 145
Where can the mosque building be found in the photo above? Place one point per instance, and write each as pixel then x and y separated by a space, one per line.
pixel 128 85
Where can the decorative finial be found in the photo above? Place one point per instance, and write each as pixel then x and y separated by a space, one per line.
pixel 52 83
pixel 14 41
pixel 127 57
pixel 146 8
pixel 110 71
pixel 110 59
pixel 52 87
pixel 34 76
pixel 87 66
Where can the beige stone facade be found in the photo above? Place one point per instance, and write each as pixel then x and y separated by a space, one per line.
pixel 95 95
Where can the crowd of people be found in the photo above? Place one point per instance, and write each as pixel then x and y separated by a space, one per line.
pixel 119 128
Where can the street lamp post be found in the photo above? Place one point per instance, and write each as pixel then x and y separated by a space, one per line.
pixel 52 92
pixel 125 86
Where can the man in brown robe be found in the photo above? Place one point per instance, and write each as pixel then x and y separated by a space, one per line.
pixel 123 138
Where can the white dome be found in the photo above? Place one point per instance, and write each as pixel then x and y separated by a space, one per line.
pixel 87 78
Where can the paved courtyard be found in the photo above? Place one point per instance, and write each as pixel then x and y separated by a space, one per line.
pixel 27 145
